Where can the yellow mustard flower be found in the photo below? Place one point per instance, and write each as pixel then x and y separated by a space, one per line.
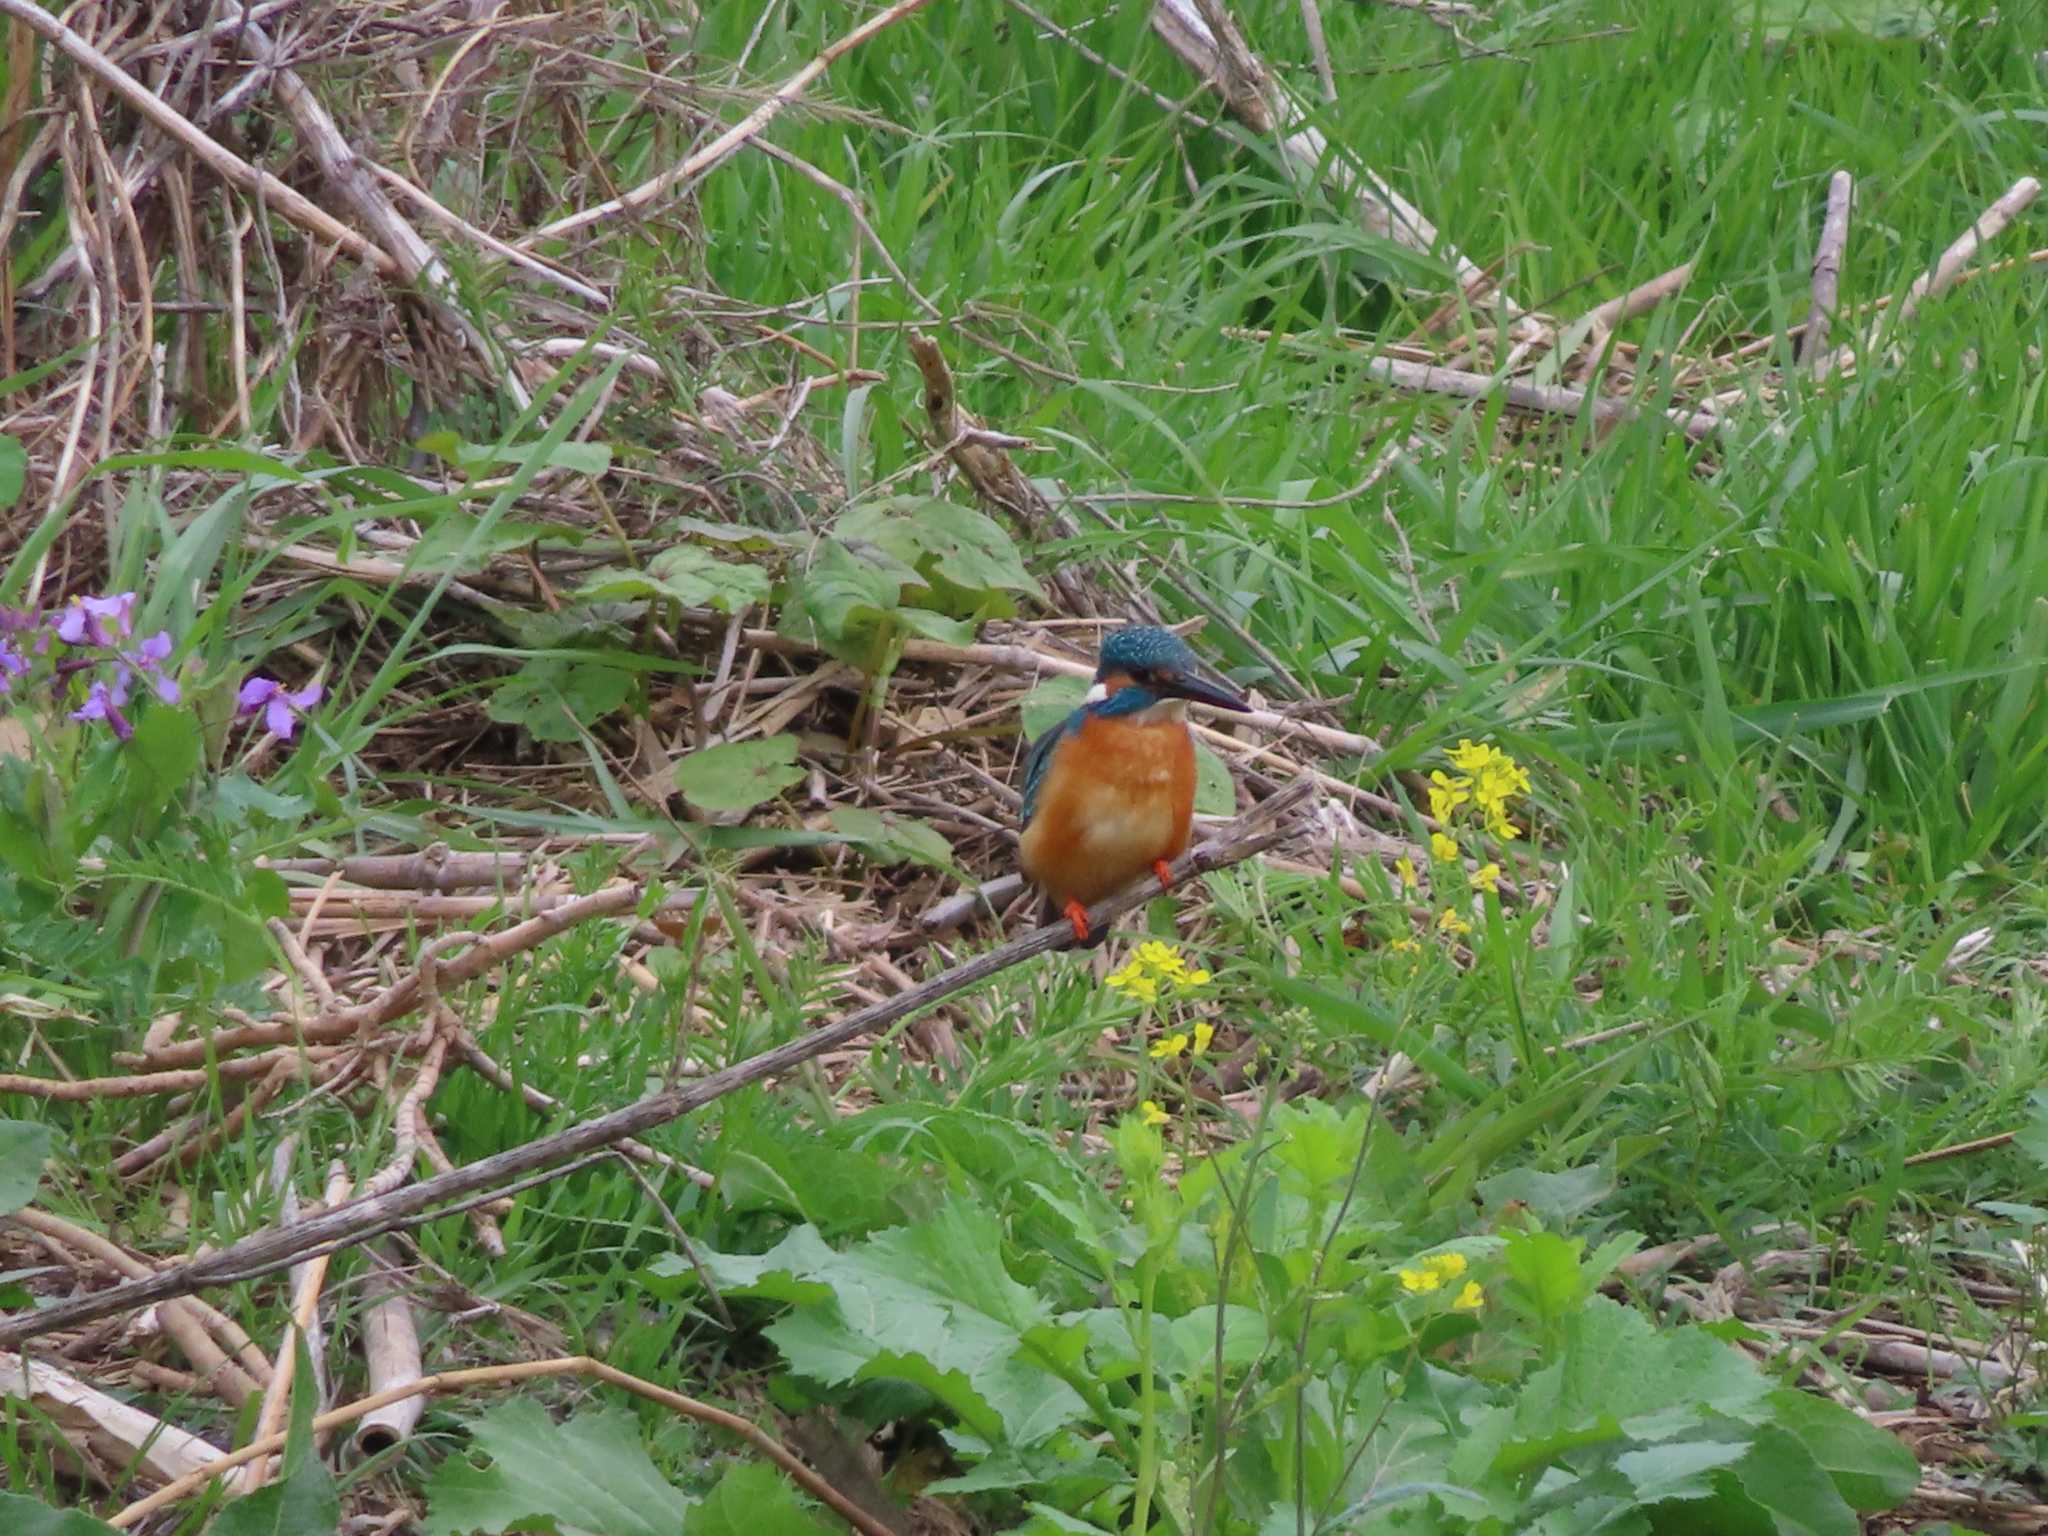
pixel 1485 878
pixel 1204 1033
pixel 1443 848
pixel 1449 922
pixel 1405 947
pixel 1134 982
pixel 1404 871
pixel 1169 1046
pixel 1470 1299
pixel 1446 794
pixel 1151 1113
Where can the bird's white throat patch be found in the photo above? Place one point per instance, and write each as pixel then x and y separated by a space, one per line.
pixel 1096 694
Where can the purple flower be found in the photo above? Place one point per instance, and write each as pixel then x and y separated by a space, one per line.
pixel 12 665
pixel 280 707
pixel 148 659
pixel 97 620
pixel 104 703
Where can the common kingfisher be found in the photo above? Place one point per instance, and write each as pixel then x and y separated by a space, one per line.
pixel 1110 792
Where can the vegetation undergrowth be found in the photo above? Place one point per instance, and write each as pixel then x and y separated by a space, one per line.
pixel 1628 1120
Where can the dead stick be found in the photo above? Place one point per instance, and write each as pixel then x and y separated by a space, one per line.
pixel 1827 274
pixel 721 147
pixel 230 167
pixel 273 1249
pixel 1991 223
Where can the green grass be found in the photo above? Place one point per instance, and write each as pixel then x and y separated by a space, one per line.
pixel 1781 694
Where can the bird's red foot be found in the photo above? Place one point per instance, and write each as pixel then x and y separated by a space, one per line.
pixel 1078 916
pixel 1165 873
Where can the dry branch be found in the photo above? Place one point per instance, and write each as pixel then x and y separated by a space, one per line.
pixel 1827 273
pixel 721 148
pixel 1221 57
pixel 265 1252
pixel 105 1431
pixel 230 167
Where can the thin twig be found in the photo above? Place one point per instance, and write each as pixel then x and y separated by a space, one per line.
pixel 272 1249
pixel 1827 274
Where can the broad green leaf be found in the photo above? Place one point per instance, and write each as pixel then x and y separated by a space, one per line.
pixel 552 698
pixel 965 558
pixel 929 1303
pixel 162 755
pixel 1871 1469
pixel 1543 1271
pixel 1215 790
pixel 751 1500
pixel 24 1147
pixel 891 838
pixel 852 600
pixel 1677 1469
pixel 1558 1198
pixel 738 775
pixel 1051 702
pixel 23 1516
pixel 1782 1475
pixel 687 575
pixel 589 1473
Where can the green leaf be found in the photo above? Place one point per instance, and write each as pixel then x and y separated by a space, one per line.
pixel 22 1516
pixel 894 839
pixel 13 470
pixel 1051 702
pixel 1215 790
pixel 965 560
pixel 1871 1470
pixel 738 775
pixel 685 574
pixel 929 1303
pixel 1558 1198
pixel 589 1473
pixel 24 1147
pixel 1781 1474
pixel 1678 1469
pixel 553 699
pixel 1544 1272
pixel 750 1500
pixel 852 599
pixel 162 756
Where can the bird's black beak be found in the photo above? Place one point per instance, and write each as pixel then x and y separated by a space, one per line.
pixel 1186 685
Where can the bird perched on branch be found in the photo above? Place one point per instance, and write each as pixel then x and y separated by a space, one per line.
pixel 1110 792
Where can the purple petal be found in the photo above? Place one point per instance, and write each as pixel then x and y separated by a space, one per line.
pixel 115 608
pixel 71 625
pixel 155 648
pixel 166 688
pixel 306 697
pixel 277 718
pixel 256 692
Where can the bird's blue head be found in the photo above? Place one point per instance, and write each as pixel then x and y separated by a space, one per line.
pixel 1161 663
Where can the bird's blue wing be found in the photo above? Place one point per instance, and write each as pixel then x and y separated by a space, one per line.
pixel 1038 762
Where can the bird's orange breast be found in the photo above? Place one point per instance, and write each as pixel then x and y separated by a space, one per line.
pixel 1119 795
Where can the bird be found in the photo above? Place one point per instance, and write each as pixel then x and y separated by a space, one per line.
pixel 1109 793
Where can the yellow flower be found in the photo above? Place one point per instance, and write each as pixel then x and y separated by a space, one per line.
pixel 1485 878
pixel 1133 982
pixel 1467 758
pixel 1441 847
pixel 1204 1033
pixel 1446 794
pixel 1405 947
pixel 1195 979
pixel 1404 869
pixel 1471 1298
pixel 1433 1272
pixel 1449 922
pixel 1151 1113
pixel 1169 1046
pixel 1503 829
